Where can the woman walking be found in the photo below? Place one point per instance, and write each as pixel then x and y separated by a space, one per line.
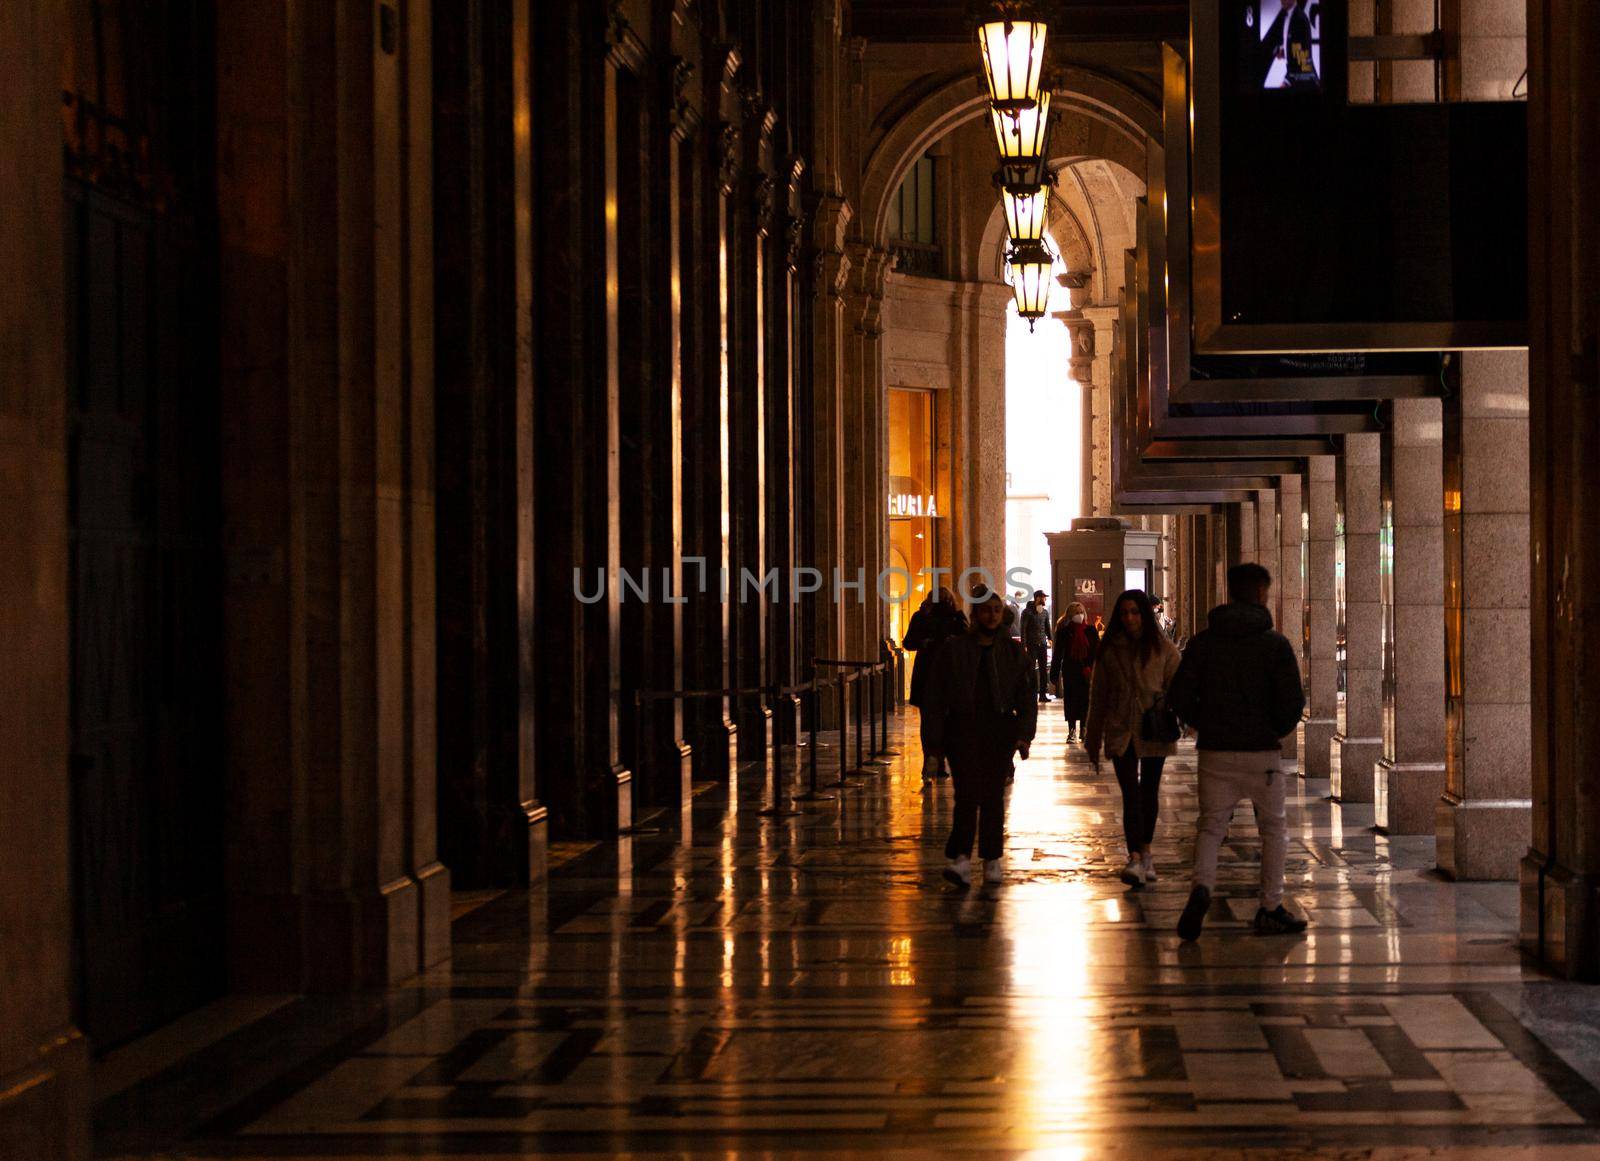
pixel 935 621
pixel 1128 720
pixel 982 711
pixel 1071 663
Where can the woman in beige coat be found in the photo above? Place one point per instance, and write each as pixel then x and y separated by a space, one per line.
pixel 1135 666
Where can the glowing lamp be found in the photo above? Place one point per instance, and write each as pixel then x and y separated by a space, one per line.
pixel 1030 265
pixel 1013 60
pixel 1025 208
pixel 1023 139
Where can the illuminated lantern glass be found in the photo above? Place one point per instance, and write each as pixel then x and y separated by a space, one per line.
pixel 1013 60
pixel 1031 265
pixel 1025 208
pixel 1022 136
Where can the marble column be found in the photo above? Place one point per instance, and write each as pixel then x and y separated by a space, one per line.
pixel 491 822
pixel 1411 776
pixel 1268 553
pixel 1484 821
pixel 829 436
pixel 751 225
pixel 1560 875
pixel 1322 701
pixel 986 432
pixel 44 1079
pixel 1359 742
pixel 1097 501
pixel 713 735
pixel 1246 534
pixel 1291 581
pixel 783 489
pixel 327 400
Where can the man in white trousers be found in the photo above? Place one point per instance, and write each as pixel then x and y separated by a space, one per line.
pixel 1239 687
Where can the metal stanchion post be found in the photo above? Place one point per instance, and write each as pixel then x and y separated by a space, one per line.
pixel 813 794
pixel 874 696
pixel 777 809
pixel 861 725
pixel 843 781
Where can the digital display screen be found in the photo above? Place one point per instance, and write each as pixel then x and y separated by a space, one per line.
pixel 1280 45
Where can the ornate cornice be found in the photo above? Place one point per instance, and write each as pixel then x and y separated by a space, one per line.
pixel 763 202
pixel 624 48
pixel 682 115
pixel 727 157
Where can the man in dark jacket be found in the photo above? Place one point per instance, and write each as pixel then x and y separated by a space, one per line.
pixel 931 626
pixel 982 711
pixel 1239 687
pixel 1036 640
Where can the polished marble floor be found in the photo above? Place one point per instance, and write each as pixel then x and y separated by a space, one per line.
pixel 808 985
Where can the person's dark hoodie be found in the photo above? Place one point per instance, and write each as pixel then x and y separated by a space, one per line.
pixel 1239 683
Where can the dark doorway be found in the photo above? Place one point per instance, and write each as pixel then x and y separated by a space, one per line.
pixel 144 528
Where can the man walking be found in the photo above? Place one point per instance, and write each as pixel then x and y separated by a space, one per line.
pixel 1239 686
pixel 1036 641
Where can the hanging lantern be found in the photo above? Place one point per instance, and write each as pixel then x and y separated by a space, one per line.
pixel 1013 60
pixel 1025 208
pixel 1022 135
pixel 1031 264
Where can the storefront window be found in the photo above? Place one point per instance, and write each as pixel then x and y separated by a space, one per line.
pixel 916 511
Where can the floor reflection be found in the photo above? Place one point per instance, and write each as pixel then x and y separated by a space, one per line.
pixel 810 984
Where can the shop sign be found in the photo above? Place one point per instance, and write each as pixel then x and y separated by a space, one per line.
pixel 912 504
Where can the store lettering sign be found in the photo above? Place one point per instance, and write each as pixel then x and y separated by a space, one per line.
pixel 912 504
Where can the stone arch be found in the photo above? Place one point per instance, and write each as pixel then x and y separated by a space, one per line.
pixel 1096 116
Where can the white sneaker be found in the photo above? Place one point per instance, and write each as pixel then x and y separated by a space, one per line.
pixel 959 871
pixel 1133 873
pixel 992 871
pixel 1149 869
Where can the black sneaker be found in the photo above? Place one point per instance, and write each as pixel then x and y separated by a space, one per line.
pixel 1278 922
pixel 1194 913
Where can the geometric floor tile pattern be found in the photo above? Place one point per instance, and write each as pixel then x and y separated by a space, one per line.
pixel 808 986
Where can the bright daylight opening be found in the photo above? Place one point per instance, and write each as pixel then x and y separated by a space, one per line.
pixel 1044 437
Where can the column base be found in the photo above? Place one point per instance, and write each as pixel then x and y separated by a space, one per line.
pixel 786 718
pixel 755 734
pixel 623 779
pixel 538 819
pixel 1289 747
pixel 677 773
pixel 334 941
pixel 1405 796
pixel 1484 839
pixel 1315 756
pixel 44 1106
pixel 1567 941
pixel 433 914
pixel 1352 780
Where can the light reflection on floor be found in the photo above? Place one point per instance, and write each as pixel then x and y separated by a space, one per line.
pixel 809 986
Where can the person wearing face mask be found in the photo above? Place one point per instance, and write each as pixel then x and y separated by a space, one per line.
pixel 1072 663
pixel 982 710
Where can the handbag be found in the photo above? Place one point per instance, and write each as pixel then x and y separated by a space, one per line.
pixel 1160 724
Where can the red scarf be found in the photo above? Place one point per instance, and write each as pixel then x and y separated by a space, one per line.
pixel 1078 641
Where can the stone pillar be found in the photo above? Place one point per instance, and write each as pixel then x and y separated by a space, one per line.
pixel 1246 534
pixel 986 431
pixel 1322 703
pixel 1561 873
pixel 44 1080
pixel 1411 776
pixel 491 822
pixel 1097 501
pixel 1267 550
pixel 1291 582
pixel 1359 742
pixel 829 437
pixel 707 484
pixel 1485 817
pixel 327 400
pixel 783 513
pixel 750 225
